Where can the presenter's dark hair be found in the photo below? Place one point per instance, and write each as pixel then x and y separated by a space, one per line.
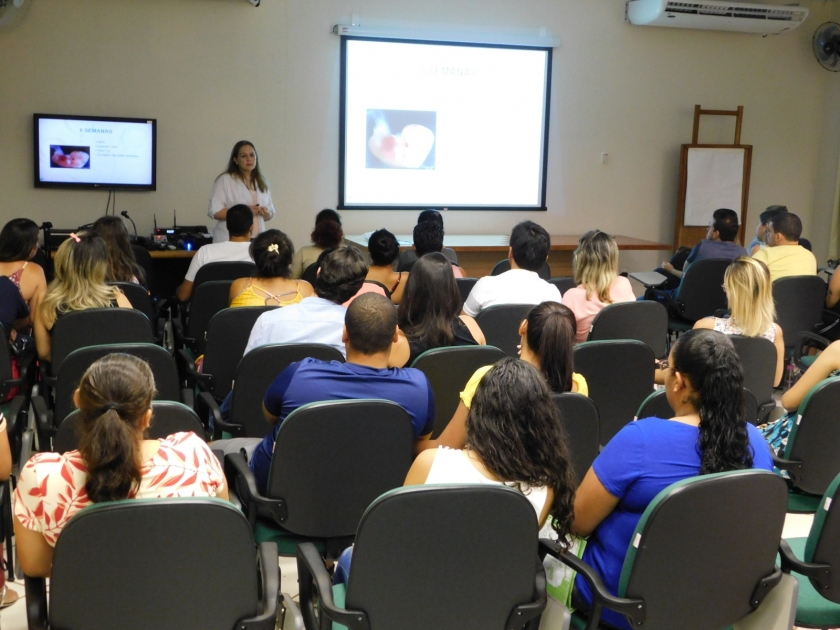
pixel 239 220
pixel 122 265
pixel 383 248
pixel 515 428
pixel 233 169
pixel 530 244
pixel 431 302
pixel 771 212
pixel 788 225
pixel 342 273
pixel 551 336
pixel 708 360
pixel 272 252
pixel 371 322
pixel 725 222
pixel 428 238
pixel 17 239
pixel 430 215
pixel 328 215
pixel 114 395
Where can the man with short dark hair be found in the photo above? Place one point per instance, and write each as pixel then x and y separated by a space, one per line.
pixel 719 242
pixel 428 239
pixel 760 239
pixel 784 256
pixel 529 247
pixel 318 318
pixel 409 256
pixel 370 329
pixel 240 222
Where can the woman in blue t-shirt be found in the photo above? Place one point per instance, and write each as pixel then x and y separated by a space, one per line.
pixel 708 434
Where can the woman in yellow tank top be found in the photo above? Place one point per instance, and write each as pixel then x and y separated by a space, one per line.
pixel 272 252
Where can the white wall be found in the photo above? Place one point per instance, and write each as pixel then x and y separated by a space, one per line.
pixel 215 71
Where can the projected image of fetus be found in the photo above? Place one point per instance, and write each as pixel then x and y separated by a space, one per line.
pixel 400 139
pixel 69 157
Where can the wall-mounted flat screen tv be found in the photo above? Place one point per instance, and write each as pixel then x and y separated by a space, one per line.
pixel 95 152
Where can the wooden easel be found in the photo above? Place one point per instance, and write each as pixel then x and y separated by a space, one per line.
pixel 690 235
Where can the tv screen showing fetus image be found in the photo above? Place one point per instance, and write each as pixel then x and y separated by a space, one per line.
pixel 443 125
pixel 69 157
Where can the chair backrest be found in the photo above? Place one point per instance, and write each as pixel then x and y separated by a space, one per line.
pixel 465 285
pixel 332 459
pixel 544 272
pixel 563 283
pixel 167 383
pixel 95 326
pixel 657 406
pixel 310 274
pixel 257 371
pixel 429 557
pixel 138 296
pixel 645 321
pixel 500 325
pixel 448 370
pixel 168 417
pixel 823 544
pixel 799 303
pixel 226 270
pixel 579 417
pixel 225 341
pixel 144 259
pixel 758 360
pixel 695 532
pixel 814 437
pixel 701 289
pixel 619 375
pixel 207 300
pixel 110 558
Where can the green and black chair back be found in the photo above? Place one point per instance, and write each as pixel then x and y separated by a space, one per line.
pixel 699 295
pixel 465 285
pixel 448 370
pixel 500 325
pixel 758 360
pixel 563 283
pixel 579 418
pixel 799 304
pixel 207 300
pixel 657 406
pixel 645 321
pixel 223 270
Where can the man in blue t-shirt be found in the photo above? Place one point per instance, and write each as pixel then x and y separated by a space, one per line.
pixel 370 327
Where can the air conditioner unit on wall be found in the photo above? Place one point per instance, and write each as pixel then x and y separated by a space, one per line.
pixel 716 15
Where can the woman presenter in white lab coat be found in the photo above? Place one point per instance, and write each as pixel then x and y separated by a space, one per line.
pixel 242 182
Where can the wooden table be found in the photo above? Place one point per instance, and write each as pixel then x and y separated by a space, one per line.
pixel 478 253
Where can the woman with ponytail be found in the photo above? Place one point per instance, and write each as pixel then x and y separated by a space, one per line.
pixel 113 462
pixel 708 434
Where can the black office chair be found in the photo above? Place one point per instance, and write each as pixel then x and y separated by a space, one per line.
pixel 563 283
pixel 758 361
pixel 657 406
pixel 310 274
pixel 144 259
pixel 230 271
pixel 799 304
pixel 331 460
pixel 139 297
pixel 422 560
pixel 719 533
pixel 168 417
pixel 16 409
pixel 465 285
pixel 645 321
pixel 579 417
pixel 207 300
pixel 112 561
pixel 500 325
pixel 254 374
pixel 448 370
pixel 544 272
pixel 699 295
pixel 619 375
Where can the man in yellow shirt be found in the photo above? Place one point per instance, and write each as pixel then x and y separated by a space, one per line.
pixel 784 256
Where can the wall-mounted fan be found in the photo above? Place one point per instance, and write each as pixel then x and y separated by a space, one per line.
pixel 826 45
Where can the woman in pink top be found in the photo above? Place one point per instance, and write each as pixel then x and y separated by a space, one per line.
pixel 596 272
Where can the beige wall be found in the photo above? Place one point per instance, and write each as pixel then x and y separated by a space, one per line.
pixel 215 71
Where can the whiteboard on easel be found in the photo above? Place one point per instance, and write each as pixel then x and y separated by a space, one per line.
pixel 715 179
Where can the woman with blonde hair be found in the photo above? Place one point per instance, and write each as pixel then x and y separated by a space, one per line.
pixel 81 266
pixel 596 273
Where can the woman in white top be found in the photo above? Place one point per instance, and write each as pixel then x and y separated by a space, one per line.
pixel 242 182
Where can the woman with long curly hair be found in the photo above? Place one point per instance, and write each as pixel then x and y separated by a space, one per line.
pixel 708 434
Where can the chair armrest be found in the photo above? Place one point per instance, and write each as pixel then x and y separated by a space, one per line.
pixel 291 611
pixel 311 567
pixel 523 613
pixel 205 382
pixel 43 416
pixel 46 373
pixel 242 480
pixel 819 572
pixel 14 411
pixel 27 440
pixel 633 608
pixel 36 603
pixel 802 338
pixel 205 399
pixel 270 581
pixel 793 467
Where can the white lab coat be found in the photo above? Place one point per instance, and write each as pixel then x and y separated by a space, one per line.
pixel 229 191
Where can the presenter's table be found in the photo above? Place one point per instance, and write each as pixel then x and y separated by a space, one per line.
pixel 478 254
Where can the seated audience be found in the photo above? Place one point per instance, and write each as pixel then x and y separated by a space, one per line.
pixel 598 282
pixel 240 224
pixel 708 434
pixel 428 239
pixel 409 256
pixel 122 266
pixel 760 239
pixel 384 249
pixel 529 247
pixel 22 282
pixel 547 343
pixel 784 256
pixel 272 286
pixel 514 438
pixel 428 313
pixel 318 318
pixel 326 235
pixel 81 263
pixel 113 462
